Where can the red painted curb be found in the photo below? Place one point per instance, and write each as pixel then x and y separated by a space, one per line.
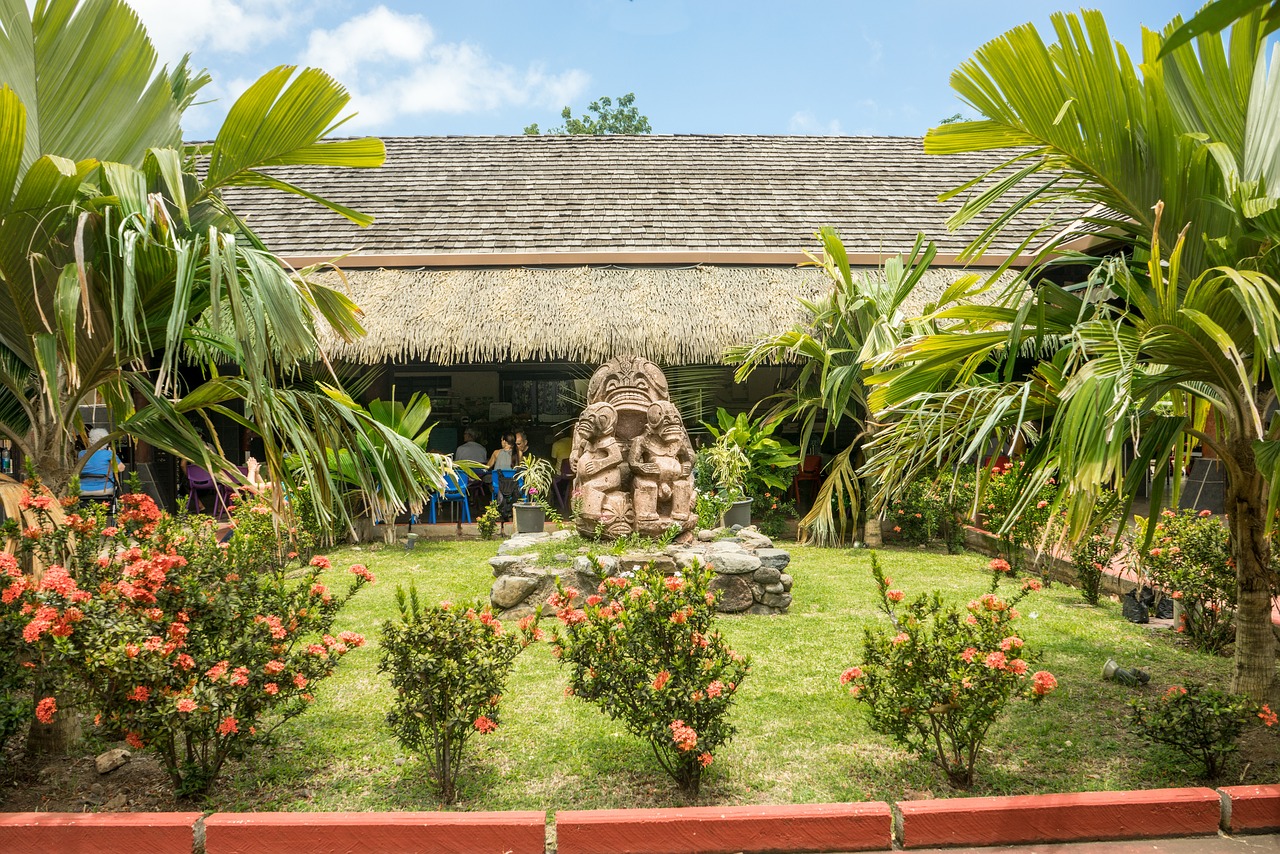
pixel 1250 808
pixel 1060 818
pixel 97 833
pixel 721 830
pixel 376 833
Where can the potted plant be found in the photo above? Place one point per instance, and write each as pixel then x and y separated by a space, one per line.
pixel 728 466
pixel 530 514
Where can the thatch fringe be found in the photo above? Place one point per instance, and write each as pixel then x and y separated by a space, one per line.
pixel 674 316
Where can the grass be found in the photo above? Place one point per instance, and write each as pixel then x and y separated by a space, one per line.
pixel 800 739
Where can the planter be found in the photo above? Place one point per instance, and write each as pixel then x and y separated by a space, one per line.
pixel 529 518
pixel 739 513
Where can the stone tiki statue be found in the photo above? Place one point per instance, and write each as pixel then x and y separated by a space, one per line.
pixel 632 459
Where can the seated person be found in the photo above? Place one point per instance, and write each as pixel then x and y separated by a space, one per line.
pixel 470 451
pixel 98 476
pixel 506 457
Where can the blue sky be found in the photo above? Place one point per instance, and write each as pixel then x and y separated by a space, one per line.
pixel 696 66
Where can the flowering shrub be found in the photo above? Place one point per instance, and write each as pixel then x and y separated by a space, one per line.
pixel 196 650
pixel 770 513
pixel 1203 723
pixel 1090 558
pixel 942 677
pixel 15 676
pixel 645 651
pixel 449 666
pixel 916 515
pixel 999 501
pixel 1190 556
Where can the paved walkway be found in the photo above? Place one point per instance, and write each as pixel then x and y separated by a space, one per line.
pixel 1264 843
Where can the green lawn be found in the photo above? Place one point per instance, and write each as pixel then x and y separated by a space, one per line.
pixel 800 738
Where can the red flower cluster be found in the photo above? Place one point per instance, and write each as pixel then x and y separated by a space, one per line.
pixel 484 725
pixel 683 735
pixel 1043 683
pixel 45 710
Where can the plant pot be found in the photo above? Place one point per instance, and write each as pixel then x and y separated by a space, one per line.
pixel 739 513
pixel 529 518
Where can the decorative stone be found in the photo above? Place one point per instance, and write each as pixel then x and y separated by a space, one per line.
pixel 735 593
pixel 111 760
pixel 776 600
pixel 561 534
pixel 661 562
pixel 752 538
pixel 561 558
pixel 687 560
pixel 118 802
pixel 582 563
pixel 523 543
pixel 776 558
pixel 608 565
pixel 510 590
pixel 786 581
pixel 503 564
pixel 733 563
pixel 766 574
pixel 706 535
pixel 774 588
pixel 762 610
pixel 731 545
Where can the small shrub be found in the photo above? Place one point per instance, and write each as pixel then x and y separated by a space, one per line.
pixel 488 522
pixel 939 681
pixel 1016 531
pixel 1202 723
pixel 916 514
pixel 196 650
pixel 710 507
pixel 449 666
pixel 1090 558
pixel 16 706
pixel 645 651
pixel 772 512
pixel 1190 557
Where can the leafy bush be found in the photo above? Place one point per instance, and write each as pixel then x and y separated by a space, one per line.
pixel 1203 723
pixel 196 649
pixel 449 666
pixel 1190 557
pixel 1090 558
pixel 916 515
pixel 771 512
pixel 939 681
pixel 710 507
pixel 15 677
pixel 488 522
pixel 1015 530
pixel 645 651
pixel 770 463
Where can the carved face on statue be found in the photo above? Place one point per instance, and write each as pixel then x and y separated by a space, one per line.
pixel 628 381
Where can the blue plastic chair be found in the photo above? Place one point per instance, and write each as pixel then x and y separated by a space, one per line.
pixel 455 491
pixel 98 478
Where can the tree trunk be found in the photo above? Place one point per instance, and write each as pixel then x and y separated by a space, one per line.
pixel 1246 506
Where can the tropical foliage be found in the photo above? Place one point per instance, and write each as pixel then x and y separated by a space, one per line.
pixel 1171 343
pixel 120 263
pixel 861 319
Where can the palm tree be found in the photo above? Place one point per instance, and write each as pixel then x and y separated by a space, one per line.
pixel 1160 352
pixel 861 319
pixel 120 263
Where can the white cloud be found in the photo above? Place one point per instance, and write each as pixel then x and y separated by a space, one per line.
pixel 225 26
pixel 806 123
pixel 393 66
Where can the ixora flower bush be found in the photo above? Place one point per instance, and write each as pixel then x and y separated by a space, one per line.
pixel 1190 557
pixel 939 680
pixel 449 666
pixel 1000 504
pixel 1202 723
pixel 645 651
pixel 196 650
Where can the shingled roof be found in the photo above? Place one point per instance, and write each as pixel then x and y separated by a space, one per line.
pixel 591 194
